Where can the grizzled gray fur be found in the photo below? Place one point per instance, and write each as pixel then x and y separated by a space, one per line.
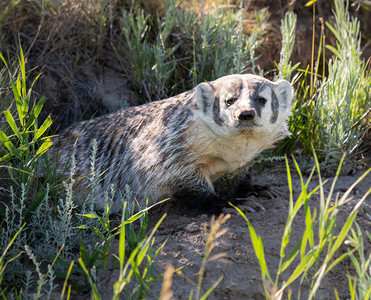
pixel 176 148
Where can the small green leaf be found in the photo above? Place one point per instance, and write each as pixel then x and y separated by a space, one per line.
pixel 208 292
pixel 334 31
pixel 92 284
pixel 22 64
pixel 5 157
pixel 12 123
pixel 81 227
pixel 44 147
pixel 257 244
pixel 9 145
pixel 334 50
pixel 122 239
pixel 48 121
pixel 291 256
pixel 141 254
pixel 92 215
pixel 98 233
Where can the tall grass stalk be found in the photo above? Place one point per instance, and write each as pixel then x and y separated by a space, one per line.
pixel 211 243
pixel 315 252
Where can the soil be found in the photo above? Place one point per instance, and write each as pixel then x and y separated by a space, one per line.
pixel 239 268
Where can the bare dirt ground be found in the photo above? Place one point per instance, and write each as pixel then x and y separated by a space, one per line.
pixel 240 268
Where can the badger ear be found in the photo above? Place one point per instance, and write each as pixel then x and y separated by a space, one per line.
pixel 284 93
pixel 204 96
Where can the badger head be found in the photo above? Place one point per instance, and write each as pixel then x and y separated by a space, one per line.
pixel 238 104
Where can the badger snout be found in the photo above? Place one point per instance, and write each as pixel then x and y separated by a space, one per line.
pixel 247 115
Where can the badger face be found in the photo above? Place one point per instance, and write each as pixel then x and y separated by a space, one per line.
pixel 242 103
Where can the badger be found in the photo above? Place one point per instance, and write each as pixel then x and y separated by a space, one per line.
pixel 178 147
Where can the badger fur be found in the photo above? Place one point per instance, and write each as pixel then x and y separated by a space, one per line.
pixel 178 147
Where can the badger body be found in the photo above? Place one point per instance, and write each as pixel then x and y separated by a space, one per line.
pixel 177 147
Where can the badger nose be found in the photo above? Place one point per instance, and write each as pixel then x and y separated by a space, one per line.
pixel 247 115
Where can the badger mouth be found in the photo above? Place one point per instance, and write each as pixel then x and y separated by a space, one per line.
pixel 247 124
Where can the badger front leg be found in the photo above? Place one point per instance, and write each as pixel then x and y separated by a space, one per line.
pixel 197 194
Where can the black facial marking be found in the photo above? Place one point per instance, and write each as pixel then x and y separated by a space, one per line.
pixel 275 107
pixel 205 104
pixel 261 101
pixel 216 112
pixel 258 109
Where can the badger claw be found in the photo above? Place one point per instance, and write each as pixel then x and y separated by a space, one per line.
pixel 268 193
pixel 254 206
pixel 244 208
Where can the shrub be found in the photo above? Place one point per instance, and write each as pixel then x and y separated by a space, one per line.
pixel 333 114
pixel 182 48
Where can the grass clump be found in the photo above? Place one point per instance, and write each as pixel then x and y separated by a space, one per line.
pixel 342 100
pixel 314 255
pixel 181 48
pixel 359 285
pixel 333 113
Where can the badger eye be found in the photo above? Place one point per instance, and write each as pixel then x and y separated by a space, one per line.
pixel 261 100
pixel 230 101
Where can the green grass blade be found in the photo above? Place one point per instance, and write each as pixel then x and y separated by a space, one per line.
pixel 12 124
pixel 334 31
pixel 21 106
pixel 92 284
pixel 122 239
pixel 345 229
pixel 294 252
pixel 35 112
pixel 40 131
pixel 305 264
pixel 22 65
pixel 66 280
pixel 44 146
pixel 208 292
pixel 9 145
pixel 257 244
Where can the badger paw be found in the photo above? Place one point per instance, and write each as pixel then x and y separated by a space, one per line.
pixel 245 189
pixel 248 204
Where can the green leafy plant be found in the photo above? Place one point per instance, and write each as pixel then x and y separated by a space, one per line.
pixel 342 99
pixel 288 28
pixel 3 262
pixel 27 141
pixel 359 285
pixel 332 112
pixel 181 48
pixel 317 252
pixel 136 256
pixel 151 61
